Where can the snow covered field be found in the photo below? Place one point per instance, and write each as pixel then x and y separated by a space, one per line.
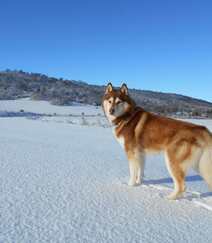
pixel 64 182
pixel 45 107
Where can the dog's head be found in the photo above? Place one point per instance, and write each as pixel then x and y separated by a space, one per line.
pixel 117 102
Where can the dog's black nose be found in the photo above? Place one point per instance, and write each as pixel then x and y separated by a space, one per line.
pixel 112 110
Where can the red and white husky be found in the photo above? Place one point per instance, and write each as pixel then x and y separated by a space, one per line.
pixel 185 145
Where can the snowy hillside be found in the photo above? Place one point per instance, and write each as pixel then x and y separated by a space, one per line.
pixel 63 182
pixel 19 84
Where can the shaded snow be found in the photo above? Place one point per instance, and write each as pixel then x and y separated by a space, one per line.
pixel 67 183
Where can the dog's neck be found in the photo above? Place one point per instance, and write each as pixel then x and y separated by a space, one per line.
pixel 126 117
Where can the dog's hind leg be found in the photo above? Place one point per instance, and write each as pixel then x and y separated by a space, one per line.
pixel 179 158
pixel 136 167
pixel 178 175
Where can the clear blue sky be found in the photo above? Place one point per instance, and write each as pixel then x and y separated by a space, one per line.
pixel 154 44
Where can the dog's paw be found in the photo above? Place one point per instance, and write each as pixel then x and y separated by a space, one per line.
pixel 138 182
pixel 132 183
pixel 174 195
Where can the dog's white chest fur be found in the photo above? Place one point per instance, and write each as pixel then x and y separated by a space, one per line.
pixel 119 139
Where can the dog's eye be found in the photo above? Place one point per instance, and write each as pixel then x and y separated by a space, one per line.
pixel 110 101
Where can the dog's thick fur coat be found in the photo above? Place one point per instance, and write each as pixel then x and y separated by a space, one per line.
pixel 184 144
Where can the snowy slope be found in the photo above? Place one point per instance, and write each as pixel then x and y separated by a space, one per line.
pixel 41 107
pixel 67 183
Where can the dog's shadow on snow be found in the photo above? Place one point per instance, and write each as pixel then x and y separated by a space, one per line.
pixel 192 178
pixel 169 180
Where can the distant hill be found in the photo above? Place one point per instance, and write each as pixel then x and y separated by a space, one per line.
pixel 19 84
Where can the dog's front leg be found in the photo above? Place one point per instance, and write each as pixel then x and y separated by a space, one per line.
pixel 133 172
pixel 136 167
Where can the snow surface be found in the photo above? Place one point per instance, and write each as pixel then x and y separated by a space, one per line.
pixel 41 107
pixel 63 182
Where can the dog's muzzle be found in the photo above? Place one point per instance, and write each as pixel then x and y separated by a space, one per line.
pixel 112 110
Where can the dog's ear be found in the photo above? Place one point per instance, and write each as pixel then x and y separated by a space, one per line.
pixel 109 88
pixel 124 89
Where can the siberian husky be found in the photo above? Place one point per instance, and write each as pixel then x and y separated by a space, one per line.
pixel 184 144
